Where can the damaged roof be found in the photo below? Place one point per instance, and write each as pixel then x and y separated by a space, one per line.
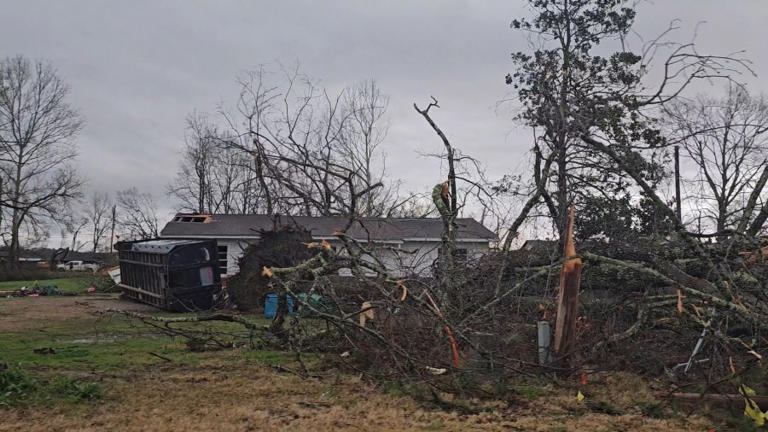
pixel 376 229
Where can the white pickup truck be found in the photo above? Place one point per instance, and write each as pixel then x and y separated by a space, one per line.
pixel 78 266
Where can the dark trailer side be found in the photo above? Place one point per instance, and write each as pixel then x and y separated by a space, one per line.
pixel 175 275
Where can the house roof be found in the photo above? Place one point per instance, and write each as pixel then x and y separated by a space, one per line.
pixel 541 246
pixel 377 229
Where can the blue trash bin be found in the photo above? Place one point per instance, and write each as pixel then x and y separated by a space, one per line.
pixel 270 306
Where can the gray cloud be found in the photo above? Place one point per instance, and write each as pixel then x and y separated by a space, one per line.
pixel 137 68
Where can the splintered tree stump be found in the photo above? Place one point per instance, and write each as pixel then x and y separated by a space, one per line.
pixel 568 297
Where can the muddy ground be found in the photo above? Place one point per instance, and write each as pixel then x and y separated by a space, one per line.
pixel 151 383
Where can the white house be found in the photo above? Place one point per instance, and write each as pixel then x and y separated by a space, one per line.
pixel 405 245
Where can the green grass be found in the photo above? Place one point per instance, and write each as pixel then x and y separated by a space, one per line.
pixel 18 387
pixel 113 356
pixel 37 360
pixel 65 285
pixel 117 344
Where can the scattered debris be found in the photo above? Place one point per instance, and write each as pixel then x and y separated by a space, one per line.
pixel 159 356
pixel 37 290
pixel 114 274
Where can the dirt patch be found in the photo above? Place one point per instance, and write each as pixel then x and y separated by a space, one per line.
pixel 252 397
pixel 33 313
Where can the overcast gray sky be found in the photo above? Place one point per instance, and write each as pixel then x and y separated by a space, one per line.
pixel 137 68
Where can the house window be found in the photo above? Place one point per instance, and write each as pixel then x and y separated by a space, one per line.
pixel 223 259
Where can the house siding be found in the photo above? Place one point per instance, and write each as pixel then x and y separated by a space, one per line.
pixel 404 245
pixel 235 250
pixel 406 258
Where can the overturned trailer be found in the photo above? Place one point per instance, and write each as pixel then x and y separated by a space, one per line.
pixel 175 275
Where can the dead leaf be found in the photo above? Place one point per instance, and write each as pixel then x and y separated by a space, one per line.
pixel 266 272
pixel 404 292
pixel 580 397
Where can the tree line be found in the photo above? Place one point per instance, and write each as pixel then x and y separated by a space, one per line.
pixel 40 187
pixel 289 147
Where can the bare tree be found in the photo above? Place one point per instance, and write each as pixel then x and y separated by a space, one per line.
pixel 75 227
pixel 97 213
pixel 361 140
pixel 137 214
pixel 727 142
pixel 37 129
pixel 192 185
pixel 444 195
pixel 304 145
pixel 413 206
pixel 215 176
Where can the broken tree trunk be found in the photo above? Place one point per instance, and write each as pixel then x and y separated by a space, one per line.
pixel 568 297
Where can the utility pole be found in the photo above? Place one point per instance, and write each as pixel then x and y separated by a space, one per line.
pixel 678 206
pixel 112 236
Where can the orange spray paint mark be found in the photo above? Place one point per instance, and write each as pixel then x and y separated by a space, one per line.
pixel 454 346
